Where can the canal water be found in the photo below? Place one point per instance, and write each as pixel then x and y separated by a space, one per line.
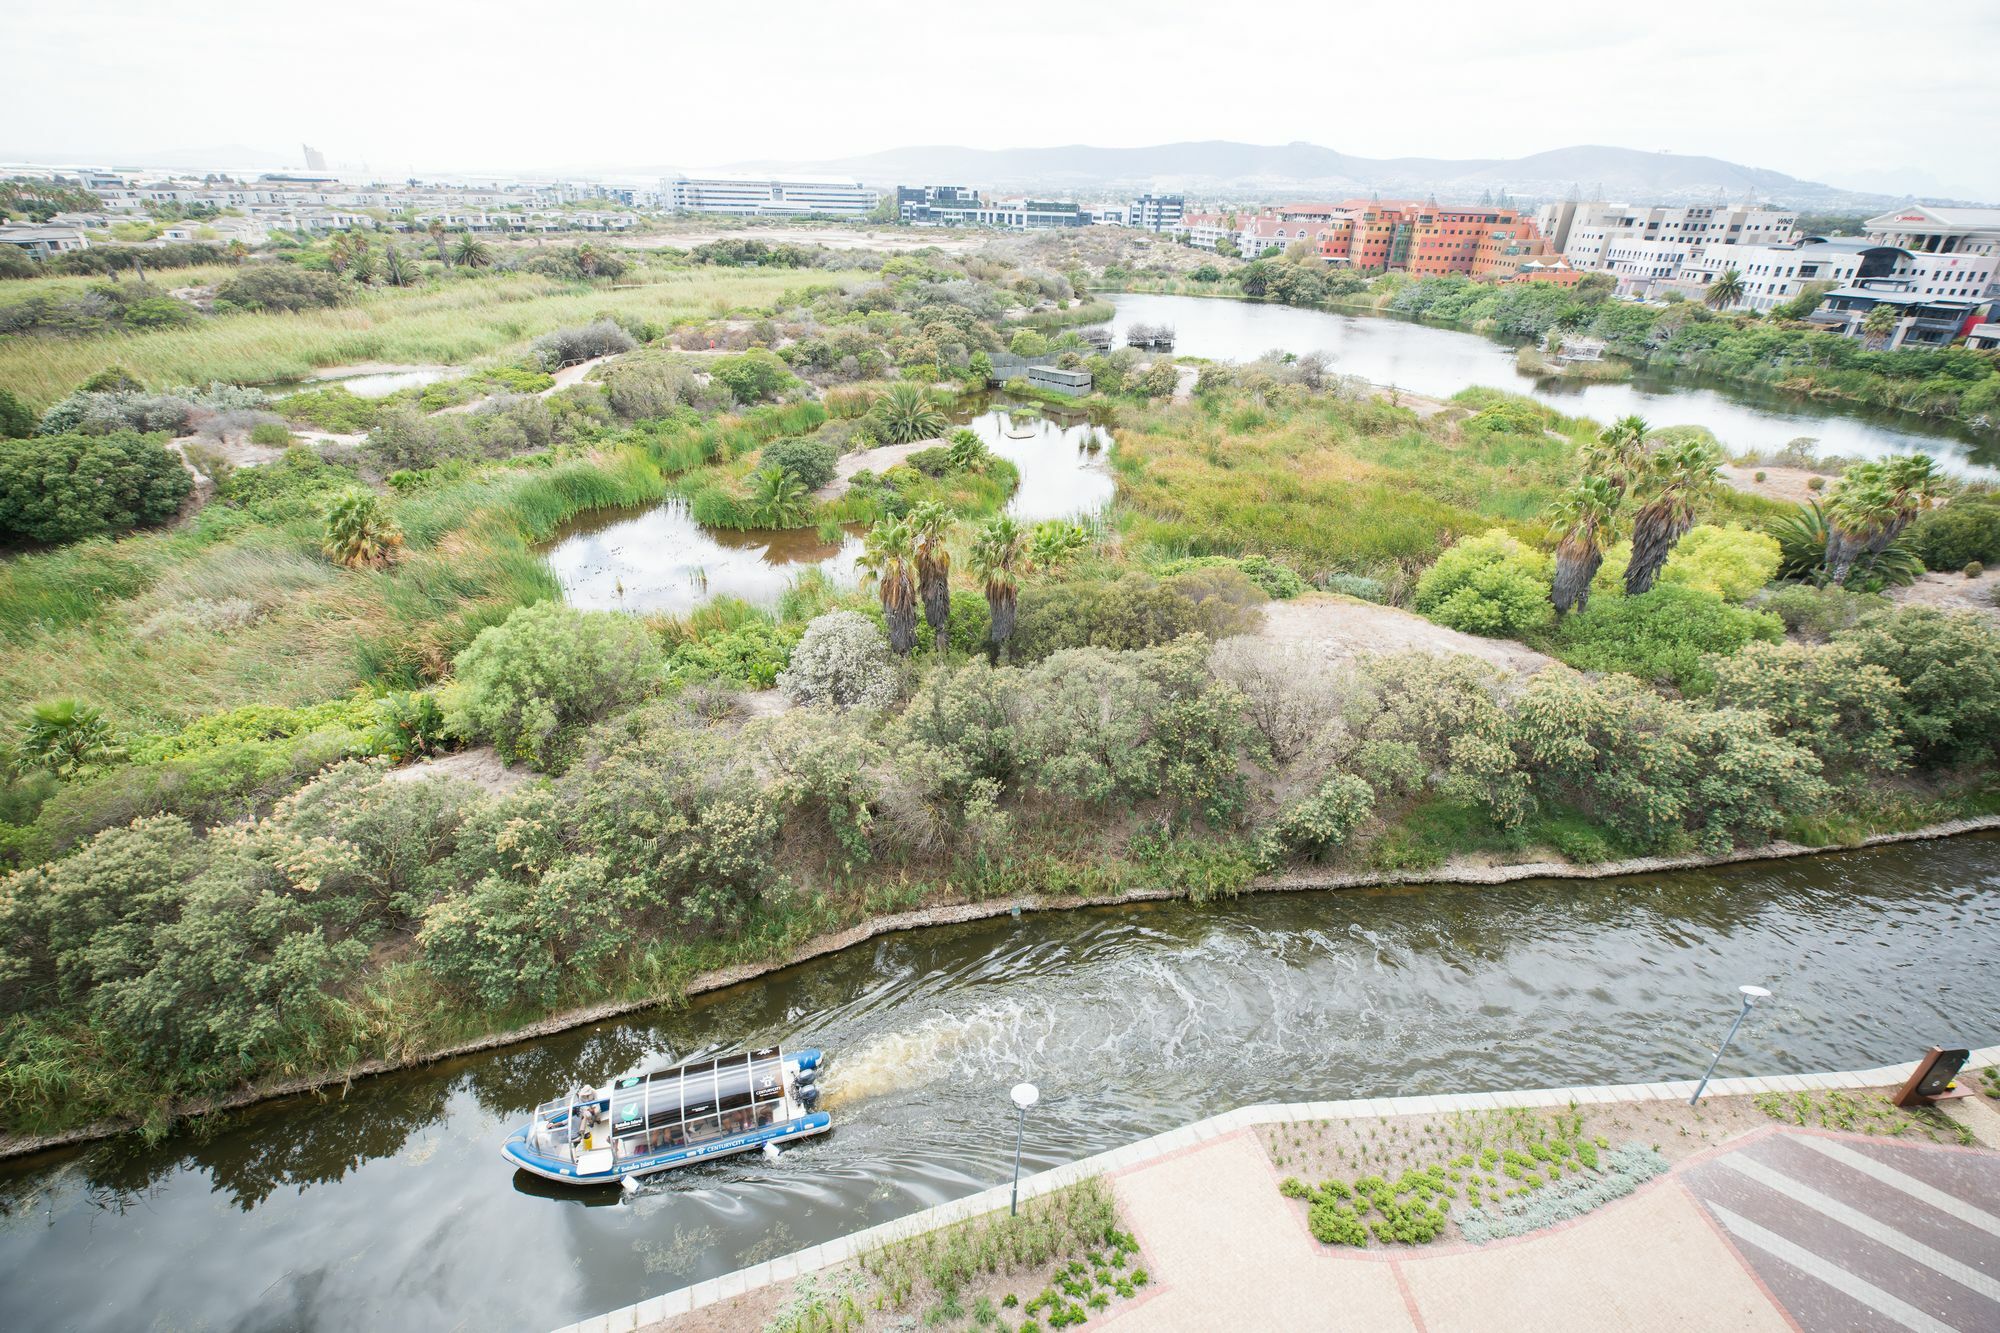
pixel 1437 362
pixel 657 558
pixel 390 1207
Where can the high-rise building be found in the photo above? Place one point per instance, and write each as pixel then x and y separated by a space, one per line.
pixel 1157 212
pixel 315 160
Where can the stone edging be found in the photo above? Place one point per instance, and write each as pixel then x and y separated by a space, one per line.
pixel 950 914
pixel 815 1258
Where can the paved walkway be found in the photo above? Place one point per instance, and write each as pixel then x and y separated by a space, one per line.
pixel 1781 1229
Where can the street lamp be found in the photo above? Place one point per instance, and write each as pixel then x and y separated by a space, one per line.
pixel 1751 994
pixel 1024 1095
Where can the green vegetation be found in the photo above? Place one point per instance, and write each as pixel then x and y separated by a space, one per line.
pixel 1864 1114
pixel 65 487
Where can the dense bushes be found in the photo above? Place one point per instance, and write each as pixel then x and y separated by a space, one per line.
pixel 1955 535
pixel 64 487
pixel 843 660
pixel 810 462
pixel 1948 664
pixel 1131 612
pixel 1661 636
pixel 282 287
pixel 526 684
pixel 752 376
pixel 1492 584
pixel 579 343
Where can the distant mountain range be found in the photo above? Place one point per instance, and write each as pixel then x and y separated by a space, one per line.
pixel 1220 168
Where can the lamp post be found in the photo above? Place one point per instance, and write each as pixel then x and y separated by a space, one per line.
pixel 1751 994
pixel 1024 1095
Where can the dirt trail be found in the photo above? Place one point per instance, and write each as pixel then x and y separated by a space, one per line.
pixel 481 764
pixel 1952 592
pixel 1342 628
pixel 1791 484
pixel 877 460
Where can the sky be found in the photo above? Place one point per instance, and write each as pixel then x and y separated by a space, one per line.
pixel 637 85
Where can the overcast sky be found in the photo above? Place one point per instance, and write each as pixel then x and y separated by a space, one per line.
pixel 637 84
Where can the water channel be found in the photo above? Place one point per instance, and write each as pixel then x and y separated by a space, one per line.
pixel 390 1208
pixel 657 558
pixel 1438 362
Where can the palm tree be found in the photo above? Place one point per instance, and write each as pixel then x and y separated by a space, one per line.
pixel 885 558
pixel 1583 515
pixel 996 558
pixel 1880 323
pixel 1864 508
pixel 1676 479
pixel 586 259
pixel 777 498
pixel 930 523
pixel 1725 291
pixel 1618 454
pixel 906 413
pixel 436 229
pixel 1917 485
pixel 471 252
pixel 359 534
pixel 1055 543
pixel 65 736
pixel 336 254
pixel 397 270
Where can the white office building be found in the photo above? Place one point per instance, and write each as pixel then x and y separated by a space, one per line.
pixel 1588 233
pixel 1953 251
pixel 768 195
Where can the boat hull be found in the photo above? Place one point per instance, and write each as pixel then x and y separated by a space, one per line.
pixel 516 1150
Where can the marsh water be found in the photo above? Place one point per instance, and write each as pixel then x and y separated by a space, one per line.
pixel 390 1207
pixel 1438 362
pixel 657 558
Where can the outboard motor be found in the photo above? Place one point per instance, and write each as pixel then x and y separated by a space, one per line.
pixel 808 1096
pixel 806 1077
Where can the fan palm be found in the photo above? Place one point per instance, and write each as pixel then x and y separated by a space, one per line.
pixel 1618 454
pixel 906 413
pixel 359 533
pixel 1675 480
pixel 1880 323
pixel 471 252
pixel 1056 542
pixel 1863 511
pixel 777 498
pixel 436 229
pixel 397 270
pixel 64 736
pixel 1802 541
pixel 1584 515
pixel 1917 484
pixel 996 560
pixel 886 555
pixel 1725 291
pixel 930 523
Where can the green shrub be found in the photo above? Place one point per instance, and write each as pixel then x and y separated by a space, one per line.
pixel 1492 584
pixel 1819 613
pixel 1732 563
pixel 1955 535
pixel 751 376
pixel 1356 585
pixel 280 287
pixel 810 462
pixel 1322 822
pixel 17 419
pixel 752 654
pixel 1277 580
pixel 1825 697
pixel 1948 664
pixel 270 433
pixel 64 487
pixel 1662 636
pixel 546 670
pixel 1131 612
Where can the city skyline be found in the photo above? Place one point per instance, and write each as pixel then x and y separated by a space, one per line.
pixel 432 92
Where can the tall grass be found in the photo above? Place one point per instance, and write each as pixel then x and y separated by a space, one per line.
pixel 449 324
pixel 70 285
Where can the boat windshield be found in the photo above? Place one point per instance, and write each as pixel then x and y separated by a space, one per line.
pixel 672 1108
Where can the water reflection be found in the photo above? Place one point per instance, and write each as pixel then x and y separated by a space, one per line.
pixel 658 558
pixel 1438 362
pixel 390 1206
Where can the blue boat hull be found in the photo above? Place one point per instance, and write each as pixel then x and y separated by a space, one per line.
pixel 516 1150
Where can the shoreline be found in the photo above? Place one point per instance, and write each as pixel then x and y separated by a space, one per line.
pixel 950 914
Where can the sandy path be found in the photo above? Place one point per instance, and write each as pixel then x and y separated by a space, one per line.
pixel 1780 483
pixel 1341 629
pixel 877 460
pixel 1952 592
pixel 481 764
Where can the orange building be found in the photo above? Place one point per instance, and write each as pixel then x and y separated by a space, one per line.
pixel 1422 238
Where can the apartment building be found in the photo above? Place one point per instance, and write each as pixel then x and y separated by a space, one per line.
pixel 1427 239
pixel 1157 212
pixel 770 195
pixel 40 240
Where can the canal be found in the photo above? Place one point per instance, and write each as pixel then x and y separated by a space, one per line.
pixel 390 1208
pixel 1438 362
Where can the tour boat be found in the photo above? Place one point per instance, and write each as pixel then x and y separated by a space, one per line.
pixel 648 1122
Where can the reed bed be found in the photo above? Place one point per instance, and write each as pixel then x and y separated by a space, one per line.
pixel 451 323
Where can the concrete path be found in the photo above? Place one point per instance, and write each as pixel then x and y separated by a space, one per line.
pixel 1228 1251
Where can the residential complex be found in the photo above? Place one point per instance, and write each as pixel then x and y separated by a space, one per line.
pixel 770 195
pixel 1427 238
pixel 964 206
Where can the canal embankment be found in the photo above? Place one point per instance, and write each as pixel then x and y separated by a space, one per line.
pixel 1459 871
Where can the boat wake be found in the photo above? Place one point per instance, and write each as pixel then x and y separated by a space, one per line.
pixel 995 1038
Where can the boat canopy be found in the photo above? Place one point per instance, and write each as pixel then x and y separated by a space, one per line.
pixel 695 1101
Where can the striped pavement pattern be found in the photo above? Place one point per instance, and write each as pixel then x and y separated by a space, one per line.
pixel 1851 1233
